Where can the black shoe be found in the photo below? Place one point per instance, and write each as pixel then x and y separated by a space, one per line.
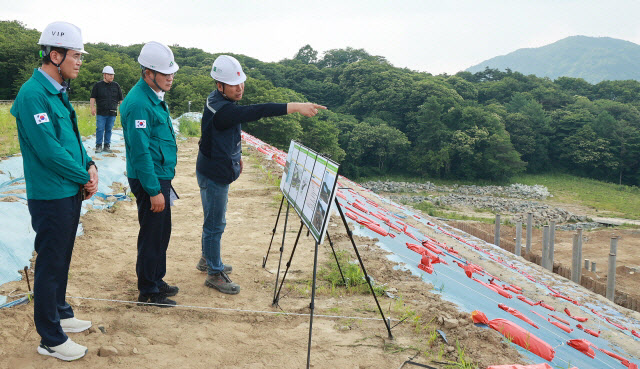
pixel 157 299
pixel 107 148
pixel 98 149
pixel 167 290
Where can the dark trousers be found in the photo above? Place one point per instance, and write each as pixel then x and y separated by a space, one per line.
pixel 55 223
pixel 153 238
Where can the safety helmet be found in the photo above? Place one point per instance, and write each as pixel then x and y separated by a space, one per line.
pixel 227 69
pixel 158 57
pixel 64 35
pixel 108 70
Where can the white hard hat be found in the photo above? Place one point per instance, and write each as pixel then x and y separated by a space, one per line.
pixel 227 69
pixel 158 57
pixel 108 70
pixel 64 35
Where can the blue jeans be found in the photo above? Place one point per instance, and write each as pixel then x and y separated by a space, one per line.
pixel 104 125
pixel 214 197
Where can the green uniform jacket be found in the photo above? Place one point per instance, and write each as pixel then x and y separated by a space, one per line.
pixel 149 139
pixel 54 159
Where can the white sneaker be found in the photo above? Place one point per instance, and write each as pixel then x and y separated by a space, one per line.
pixel 68 351
pixel 73 325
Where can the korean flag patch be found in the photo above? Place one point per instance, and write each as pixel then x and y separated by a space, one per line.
pixel 41 118
pixel 141 124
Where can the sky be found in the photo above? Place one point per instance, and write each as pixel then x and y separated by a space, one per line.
pixel 435 36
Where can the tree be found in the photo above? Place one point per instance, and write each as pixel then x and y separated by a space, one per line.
pixel 337 57
pixel 19 56
pixel 306 55
pixel 575 86
pixel 586 153
pixel 378 145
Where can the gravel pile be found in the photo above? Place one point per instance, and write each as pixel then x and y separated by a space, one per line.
pixel 517 200
pixel 518 191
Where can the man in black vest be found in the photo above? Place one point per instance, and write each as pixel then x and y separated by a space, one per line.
pixel 107 94
pixel 220 158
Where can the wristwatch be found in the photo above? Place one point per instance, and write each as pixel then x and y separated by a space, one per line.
pixel 89 164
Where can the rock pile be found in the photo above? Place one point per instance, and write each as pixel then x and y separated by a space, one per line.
pixel 517 190
pixel 517 199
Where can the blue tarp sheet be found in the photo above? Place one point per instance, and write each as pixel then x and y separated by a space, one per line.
pixel 16 234
pixel 453 285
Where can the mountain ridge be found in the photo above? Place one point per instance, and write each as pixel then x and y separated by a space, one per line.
pixel 593 59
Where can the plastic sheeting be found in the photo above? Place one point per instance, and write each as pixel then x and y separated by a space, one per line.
pixel 449 277
pixel 16 233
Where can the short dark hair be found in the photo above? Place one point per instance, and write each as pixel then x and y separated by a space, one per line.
pixel 46 59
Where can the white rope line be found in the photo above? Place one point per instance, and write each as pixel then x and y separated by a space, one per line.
pixel 226 309
pixel 253 189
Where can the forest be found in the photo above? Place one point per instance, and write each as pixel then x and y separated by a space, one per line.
pixel 385 120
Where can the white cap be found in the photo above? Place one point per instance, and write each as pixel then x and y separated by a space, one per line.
pixel 64 35
pixel 108 70
pixel 158 57
pixel 227 69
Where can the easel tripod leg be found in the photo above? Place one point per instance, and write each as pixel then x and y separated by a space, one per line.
pixel 284 233
pixel 277 296
pixel 273 233
pixel 364 270
pixel 312 306
pixel 336 257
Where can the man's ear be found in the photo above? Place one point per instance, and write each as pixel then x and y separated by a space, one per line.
pixel 55 56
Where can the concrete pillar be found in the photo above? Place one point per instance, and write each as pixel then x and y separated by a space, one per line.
pixel 586 264
pixel 552 238
pixel 518 249
pixel 545 247
pixel 611 269
pixel 576 268
pixel 496 235
pixel 580 246
pixel 529 231
pixel 593 266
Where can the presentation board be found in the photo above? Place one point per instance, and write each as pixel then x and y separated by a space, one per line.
pixel 309 184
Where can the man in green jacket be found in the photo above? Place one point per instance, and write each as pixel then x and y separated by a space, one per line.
pixel 59 175
pixel 151 152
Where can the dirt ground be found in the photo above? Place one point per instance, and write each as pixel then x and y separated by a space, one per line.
pixel 595 247
pixel 213 330
pixel 241 331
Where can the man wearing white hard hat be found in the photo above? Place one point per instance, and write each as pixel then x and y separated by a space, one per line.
pixel 59 175
pixel 220 158
pixel 106 94
pixel 151 153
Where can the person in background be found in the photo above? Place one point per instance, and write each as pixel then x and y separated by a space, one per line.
pixel 219 160
pixel 151 153
pixel 106 94
pixel 59 175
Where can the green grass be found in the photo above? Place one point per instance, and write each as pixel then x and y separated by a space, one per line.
pixel 356 284
pixel 190 127
pixel 613 199
pixel 9 135
pixel 436 211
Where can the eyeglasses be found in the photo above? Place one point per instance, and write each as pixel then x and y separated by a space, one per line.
pixel 166 75
pixel 77 57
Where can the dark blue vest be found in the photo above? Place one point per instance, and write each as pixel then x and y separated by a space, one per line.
pixel 220 150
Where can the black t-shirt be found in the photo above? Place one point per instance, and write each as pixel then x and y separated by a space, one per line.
pixel 107 96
